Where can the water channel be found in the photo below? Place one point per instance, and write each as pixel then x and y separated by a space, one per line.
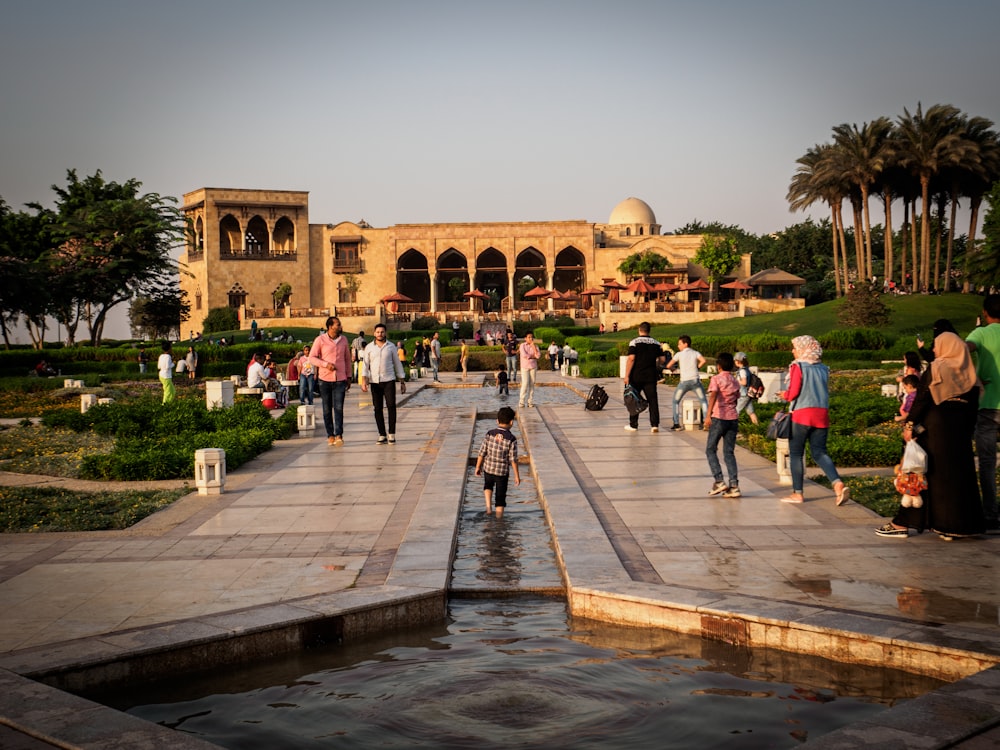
pixel 511 667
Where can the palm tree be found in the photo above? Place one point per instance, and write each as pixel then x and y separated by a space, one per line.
pixel 864 154
pixel 929 143
pixel 817 179
pixel 976 181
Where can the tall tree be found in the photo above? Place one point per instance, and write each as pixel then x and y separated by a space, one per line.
pixel 930 142
pixel 983 262
pixel 113 240
pixel 718 255
pixel 864 154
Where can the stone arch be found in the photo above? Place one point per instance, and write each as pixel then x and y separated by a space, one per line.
pixel 412 276
pixel 230 235
pixel 284 235
pixel 451 265
pixel 529 264
pixel 570 271
pixel 257 236
pixel 491 277
pixel 196 238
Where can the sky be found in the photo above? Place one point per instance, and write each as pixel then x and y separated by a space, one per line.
pixel 413 111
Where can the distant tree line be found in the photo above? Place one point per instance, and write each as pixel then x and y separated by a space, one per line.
pixel 101 245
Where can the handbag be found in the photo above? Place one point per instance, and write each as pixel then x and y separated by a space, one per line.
pixel 634 402
pixel 780 426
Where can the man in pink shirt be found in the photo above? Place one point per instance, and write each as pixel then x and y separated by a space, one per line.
pixel 330 356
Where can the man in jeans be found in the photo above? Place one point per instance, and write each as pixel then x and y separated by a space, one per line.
pixel 435 355
pixel 330 355
pixel 689 361
pixel 984 341
pixel 510 351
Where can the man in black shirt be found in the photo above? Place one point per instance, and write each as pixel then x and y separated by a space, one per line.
pixel 642 370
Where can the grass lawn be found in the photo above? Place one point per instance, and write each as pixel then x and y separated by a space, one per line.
pixel 34 509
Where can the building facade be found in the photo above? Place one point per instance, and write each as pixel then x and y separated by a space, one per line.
pixel 247 248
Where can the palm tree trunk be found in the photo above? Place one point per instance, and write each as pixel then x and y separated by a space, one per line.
pixel 925 231
pixel 887 239
pixel 833 239
pixel 949 255
pixel 869 268
pixel 970 245
pixel 902 243
pixel 843 247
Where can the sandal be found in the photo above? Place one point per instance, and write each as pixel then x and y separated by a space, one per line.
pixel 844 495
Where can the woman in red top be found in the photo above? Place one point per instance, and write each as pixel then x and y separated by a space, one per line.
pixel 809 394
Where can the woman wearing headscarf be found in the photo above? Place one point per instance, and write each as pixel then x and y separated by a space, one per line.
pixel 809 396
pixel 945 408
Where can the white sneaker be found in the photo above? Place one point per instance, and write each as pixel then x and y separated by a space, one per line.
pixel 654 429
pixel 392 438
pixel 630 428
pixel 718 488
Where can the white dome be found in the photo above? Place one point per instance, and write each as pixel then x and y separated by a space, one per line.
pixel 632 211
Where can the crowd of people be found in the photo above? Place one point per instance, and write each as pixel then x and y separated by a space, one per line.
pixel 949 405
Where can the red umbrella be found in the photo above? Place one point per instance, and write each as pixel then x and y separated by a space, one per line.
pixel 613 285
pixel 591 292
pixel 698 285
pixel 476 293
pixel 738 285
pixel 539 291
pixel 396 297
pixel 665 286
pixel 640 286
pixel 569 294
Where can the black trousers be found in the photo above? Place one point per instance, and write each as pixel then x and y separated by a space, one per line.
pixel 384 392
pixel 648 391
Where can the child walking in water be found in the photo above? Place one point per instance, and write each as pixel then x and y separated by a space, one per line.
pixel 497 458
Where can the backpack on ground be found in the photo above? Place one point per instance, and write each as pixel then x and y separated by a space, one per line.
pixel 755 386
pixel 596 399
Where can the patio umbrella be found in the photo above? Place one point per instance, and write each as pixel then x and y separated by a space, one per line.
pixel 640 286
pixel 396 297
pixel 475 293
pixel 738 285
pixel 613 284
pixel 665 286
pixel 698 285
pixel 591 292
pixel 569 294
pixel 539 292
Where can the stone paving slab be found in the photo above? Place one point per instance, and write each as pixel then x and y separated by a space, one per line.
pixel 308 532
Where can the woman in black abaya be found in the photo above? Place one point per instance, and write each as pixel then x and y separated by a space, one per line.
pixel 945 407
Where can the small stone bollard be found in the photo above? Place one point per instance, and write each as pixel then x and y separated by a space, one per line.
pixel 306 416
pixel 105 401
pixel 712 370
pixel 574 371
pixel 86 401
pixel 782 461
pixel 219 394
pixel 236 380
pixel 210 470
pixel 414 373
pixel 890 391
pixel 691 414
pixel 70 383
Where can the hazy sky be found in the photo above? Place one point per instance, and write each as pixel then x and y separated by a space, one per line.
pixel 399 112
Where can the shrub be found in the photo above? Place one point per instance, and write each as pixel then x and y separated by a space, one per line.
pixel 853 338
pixel 580 343
pixel 546 335
pixel 426 323
pixel 598 369
pixel 220 319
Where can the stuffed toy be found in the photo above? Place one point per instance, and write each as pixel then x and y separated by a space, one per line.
pixel 909 484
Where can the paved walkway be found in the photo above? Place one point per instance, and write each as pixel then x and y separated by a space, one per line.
pixel 310 537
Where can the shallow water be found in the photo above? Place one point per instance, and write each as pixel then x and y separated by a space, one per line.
pixel 519 672
pixel 487 400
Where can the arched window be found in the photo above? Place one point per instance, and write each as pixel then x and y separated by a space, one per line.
pixel 237 296
pixel 284 235
pixel 230 242
pixel 257 239
pixel 412 276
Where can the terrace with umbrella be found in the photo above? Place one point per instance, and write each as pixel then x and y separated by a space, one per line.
pixel 392 302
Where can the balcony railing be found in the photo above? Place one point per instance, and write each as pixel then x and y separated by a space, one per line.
pixel 348 265
pixel 258 253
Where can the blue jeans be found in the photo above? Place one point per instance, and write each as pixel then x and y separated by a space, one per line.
pixel 435 364
pixel 306 383
pixel 512 362
pixel 684 387
pixel 724 430
pixel 987 424
pixel 332 397
pixel 817 446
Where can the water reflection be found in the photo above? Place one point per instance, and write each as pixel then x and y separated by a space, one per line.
pixel 519 672
pixel 499 552
pixel 487 400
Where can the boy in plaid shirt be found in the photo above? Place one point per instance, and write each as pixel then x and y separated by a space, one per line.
pixel 498 455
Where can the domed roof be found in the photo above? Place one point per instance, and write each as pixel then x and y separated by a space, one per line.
pixel 632 211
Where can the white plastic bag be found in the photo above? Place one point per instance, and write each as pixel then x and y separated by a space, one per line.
pixel 914 459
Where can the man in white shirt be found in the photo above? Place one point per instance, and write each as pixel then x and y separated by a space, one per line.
pixel 689 361
pixel 165 366
pixel 435 355
pixel 380 370
pixel 553 354
pixel 256 376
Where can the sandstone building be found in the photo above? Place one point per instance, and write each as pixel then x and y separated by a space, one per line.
pixel 247 244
